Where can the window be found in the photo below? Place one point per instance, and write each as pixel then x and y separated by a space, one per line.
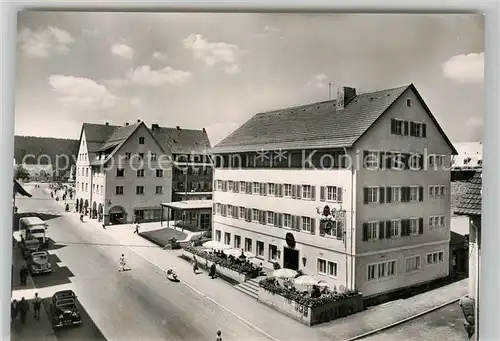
pixel 331 193
pixel 256 188
pixel 414 226
pixel 159 173
pixel 237 242
pixel 255 215
pixel 287 192
pixel 372 232
pixel 417 129
pixel 396 194
pixel 230 185
pixel 412 264
pixel 371 160
pixel 86 187
pixel 260 249
pixel 243 187
pixel 102 189
pixel 242 212
pixel 435 257
pixel 141 140
pixel 306 192
pixel 431 222
pixel 321 266
pixel 153 157
pixel 120 172
pixel 306 224
pixel 442 191
pixel 270 218
pixel 436 221
pixel 230 210
pixel 381 270
pixel 395 227
pixel 332 269
pixel 159 189
pixel 408 102
pixel 248 244
pixel 271 189
pixel 140 173
pixel 414 161
pixel 287 220
pixel 398 127
pixel 218 235
pixel 218 208
pixel 219 185
pixel 227 238
pixel 119 190
pixel 391 268
pixel 273 252
pixel 414 193
pixel 139 190
pixel 372 195
pixel 441 221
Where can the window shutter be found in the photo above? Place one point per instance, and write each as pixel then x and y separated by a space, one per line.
pixel 339 194
pixel 365 195
pixel 407 157
pixel 424 130
pixel 388 195
pixel 313 192
pixel 388 230
pixel 236 213
pixel 421 193
pixel 340 230
pixel 236 186
pixel 365 232
pixel 381 230
pixel 403 194
pixel 365 155
pixel 213 210
pixel 412 129
pixel 381 195
pixel 421 161
pixel 313 226
pixel 294 222
pixel 321 228
pixel 299 223
pixel 421 226
pixel 281 187
pixel 393 126
pixel 224 186
pixel 263 188
pixel 262 217
pixel 294 192
pixel 407 227
pixel 280 219
pixel 249 214
pixel 388 160
pixel 405 126
pixel 381 158
pixel 322 193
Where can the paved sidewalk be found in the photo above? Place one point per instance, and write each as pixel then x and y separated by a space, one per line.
pixel 32 329
pixel 280 326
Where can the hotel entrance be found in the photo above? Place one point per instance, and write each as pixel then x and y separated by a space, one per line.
pixel 290 258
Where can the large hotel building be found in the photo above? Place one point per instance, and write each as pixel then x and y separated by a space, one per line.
pixel 379 161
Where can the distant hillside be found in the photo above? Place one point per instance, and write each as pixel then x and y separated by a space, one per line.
pixel 25 146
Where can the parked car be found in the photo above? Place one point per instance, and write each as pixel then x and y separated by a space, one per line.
pixel 29 246
pixel 39 263
pixel 199 239
pixel 63 309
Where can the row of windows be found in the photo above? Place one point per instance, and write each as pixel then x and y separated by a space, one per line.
pixel 193 170
pixel 436 191
pixel 120 172
pixel 408 128
pixel 437 221
pixel 400 194
pixel 308 192
pixel 394 228
pixel 192 186
pixel 385 160
pixel 139 190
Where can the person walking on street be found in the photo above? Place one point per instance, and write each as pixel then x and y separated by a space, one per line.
pixel 219 336
pixel 37 303
pixel 14 309
pixel 136 230
pixel 23 309
pixel 23 275
pixel 212 271
pixel 195 264
pixel 122 263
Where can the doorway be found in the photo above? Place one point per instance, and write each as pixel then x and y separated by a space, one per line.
pixel 290 258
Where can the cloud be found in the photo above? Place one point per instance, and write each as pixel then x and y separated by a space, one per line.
pixel 270 29
pixel 465 68
pixel 232 70
pixel 474 121
pixel 122 51
pixel 91 32
pixel 81 93
pixel 144 75
pixel 318 81
pixel 43 42
pixel 158 55
pixel 213 53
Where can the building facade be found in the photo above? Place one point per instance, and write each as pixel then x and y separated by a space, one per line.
pixel 377 160
pixel 124 173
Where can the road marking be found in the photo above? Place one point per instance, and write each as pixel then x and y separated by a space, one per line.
pixel 250 324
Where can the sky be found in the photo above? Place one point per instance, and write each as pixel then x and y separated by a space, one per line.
pixel 216 70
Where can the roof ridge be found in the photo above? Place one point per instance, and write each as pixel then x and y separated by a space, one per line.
pixel 334 101
pixel 181 129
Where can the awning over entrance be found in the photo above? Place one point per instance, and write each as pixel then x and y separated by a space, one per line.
pixel 188 205
pixel 116 209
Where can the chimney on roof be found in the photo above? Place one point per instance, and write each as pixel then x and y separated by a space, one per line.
pixel 344 96
pixel 178 128
pixel 138 121
pixel 126 123
pixel 107 123
pixel 204 130
pixel 154 126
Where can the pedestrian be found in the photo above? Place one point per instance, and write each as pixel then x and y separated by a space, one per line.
pixel 122 263
pixel 212 271
pixel 104 226
pixel 23 309
pixel 37 303
pixel 219 336
pixel 195 264
pixel 14 308
pixel 136 230
pixel 23 275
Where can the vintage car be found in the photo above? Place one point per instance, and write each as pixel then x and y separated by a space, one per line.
pixel 64 310
pixel 29 246
pixel 39 263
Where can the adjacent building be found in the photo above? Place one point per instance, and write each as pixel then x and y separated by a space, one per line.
pixel 124 173
pixel 376 160
pixel 469 155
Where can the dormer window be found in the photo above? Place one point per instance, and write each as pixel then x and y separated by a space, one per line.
pixel 141 140
pixel 408 102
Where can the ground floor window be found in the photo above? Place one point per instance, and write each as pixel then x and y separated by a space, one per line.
pixel 248 244
pixel 227 238
pixel 412 264
pixel 273 252
pixel 381 270
pixel 147 215
pixel 332 269
pixel 237 242
pixel 217 235
pixel 321 267
pixel 205 221
pixel 260 249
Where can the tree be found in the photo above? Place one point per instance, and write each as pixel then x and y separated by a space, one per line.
pixel 21 173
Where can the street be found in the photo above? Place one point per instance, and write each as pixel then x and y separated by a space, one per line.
pixel 445 324
pixel 140 304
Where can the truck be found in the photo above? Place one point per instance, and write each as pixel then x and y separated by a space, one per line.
pixel 34 228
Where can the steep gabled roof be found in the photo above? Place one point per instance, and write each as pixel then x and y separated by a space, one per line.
pixel 470 202
pixel 182 141
pixel 317 125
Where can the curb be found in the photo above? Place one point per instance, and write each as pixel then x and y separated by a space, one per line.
pixel 394 324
